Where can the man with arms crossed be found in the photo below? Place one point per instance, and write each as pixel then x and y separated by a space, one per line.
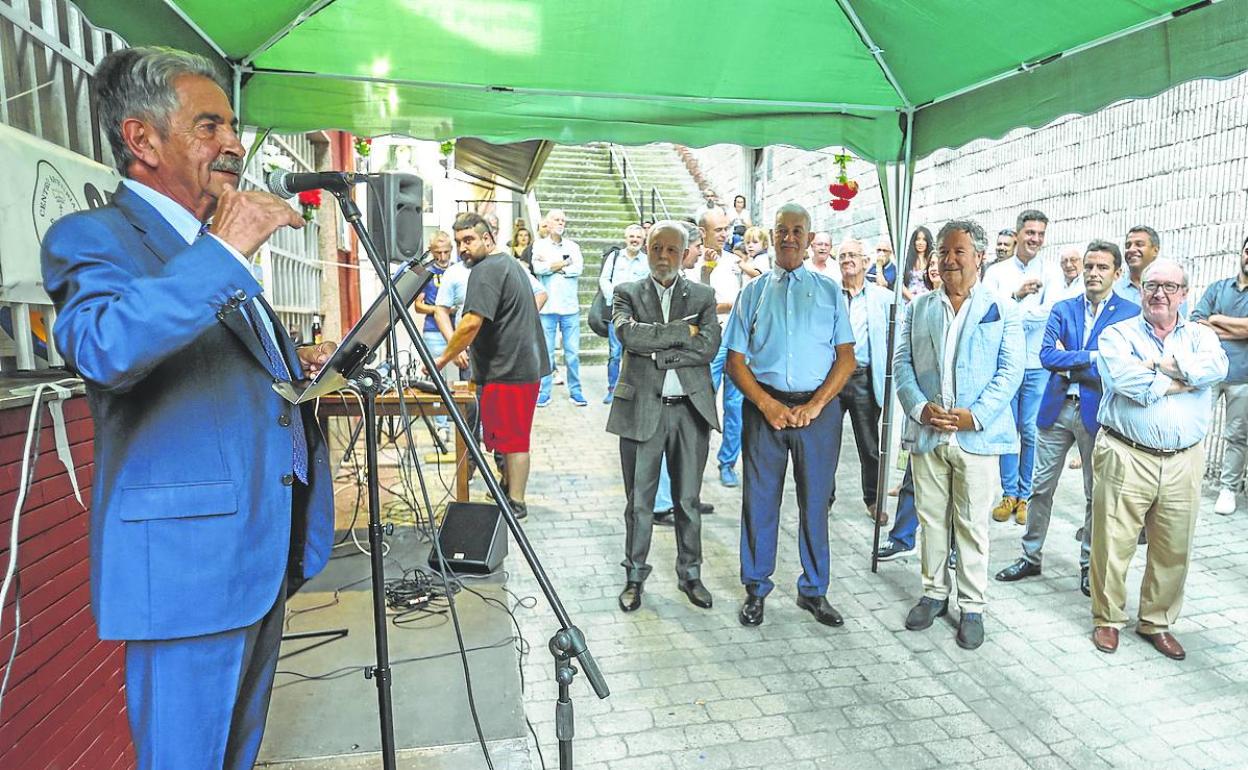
pixel 1158 371
pixel 1224 308
pixel 664 407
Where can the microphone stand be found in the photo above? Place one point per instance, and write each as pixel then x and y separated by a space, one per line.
pixel 568 642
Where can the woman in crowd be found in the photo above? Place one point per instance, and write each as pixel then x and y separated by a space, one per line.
pixel 931 279
pixel 918 254
pixel 758 256
pixel 740 217
pixel 521 238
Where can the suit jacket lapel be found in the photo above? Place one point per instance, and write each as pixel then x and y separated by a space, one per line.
pixel 680 301
pixel 237 322
pixel 936 325
pixel 1081 320
pixel 650 302
pixel 1102 320
pixel 158 235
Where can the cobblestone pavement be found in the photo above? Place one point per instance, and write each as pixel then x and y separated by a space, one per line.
pixel 692 688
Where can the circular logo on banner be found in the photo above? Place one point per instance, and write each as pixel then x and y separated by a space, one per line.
pixel 53 198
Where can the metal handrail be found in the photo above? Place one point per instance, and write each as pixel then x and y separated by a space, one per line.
pixel 618 156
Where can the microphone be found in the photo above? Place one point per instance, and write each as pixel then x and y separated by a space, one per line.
pixel 285 184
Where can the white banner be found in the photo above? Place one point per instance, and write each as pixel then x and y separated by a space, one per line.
pixel 42 182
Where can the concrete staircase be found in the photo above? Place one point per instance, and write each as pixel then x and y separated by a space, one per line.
pixel 580 180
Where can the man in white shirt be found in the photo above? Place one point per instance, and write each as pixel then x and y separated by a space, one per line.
pixel 821 260
pixel 557 262
pixel 621 266
pixel 726 279
pixel 1032 286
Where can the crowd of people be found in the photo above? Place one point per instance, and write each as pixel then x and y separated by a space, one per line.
pixel 1003 362
pixel 197 538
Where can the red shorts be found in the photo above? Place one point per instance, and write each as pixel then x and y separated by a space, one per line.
pixel 507 415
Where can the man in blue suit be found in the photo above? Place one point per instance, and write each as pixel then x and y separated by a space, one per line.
pixel 1073 394
pixel 959 362
pixel 212 495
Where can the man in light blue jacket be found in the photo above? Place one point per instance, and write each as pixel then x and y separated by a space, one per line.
pixel 959 362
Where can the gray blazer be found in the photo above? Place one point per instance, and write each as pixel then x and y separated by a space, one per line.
pixel 651 347
pixel 988 369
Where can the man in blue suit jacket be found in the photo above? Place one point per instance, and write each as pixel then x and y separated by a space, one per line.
pixel 212 495
pixel 1073 394
pixel 959 362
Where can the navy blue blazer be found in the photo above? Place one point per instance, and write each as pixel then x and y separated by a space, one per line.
pixel 194 518
pixel 1073 362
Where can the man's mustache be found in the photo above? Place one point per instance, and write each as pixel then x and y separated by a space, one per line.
pixel 228 163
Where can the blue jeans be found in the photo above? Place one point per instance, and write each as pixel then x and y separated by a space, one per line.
pixel 907 520
pixel 436 344
pixel 569 327
pixel 730 447
pixel 1016 469
pixel 663 498
pixel 615 353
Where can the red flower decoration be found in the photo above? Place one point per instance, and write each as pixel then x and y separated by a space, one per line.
pixel 839 204
pixel 310 198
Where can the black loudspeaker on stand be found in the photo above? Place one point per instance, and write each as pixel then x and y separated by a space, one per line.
pixel 568 642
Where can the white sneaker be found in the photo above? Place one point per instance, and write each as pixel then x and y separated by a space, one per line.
pixel 1226 502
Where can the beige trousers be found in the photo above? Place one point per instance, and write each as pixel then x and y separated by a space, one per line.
pixel 955 488
pixel 1133 489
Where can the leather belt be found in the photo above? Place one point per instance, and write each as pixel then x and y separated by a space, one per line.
pixel 675 399
pixel 789 398
pixel 1072 397
pixel 1141 447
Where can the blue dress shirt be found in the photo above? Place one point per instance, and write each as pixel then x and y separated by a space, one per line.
pixel 1135 403
pixel 1227 297
pixel 787 325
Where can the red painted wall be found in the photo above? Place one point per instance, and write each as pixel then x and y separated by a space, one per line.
pixel 65 706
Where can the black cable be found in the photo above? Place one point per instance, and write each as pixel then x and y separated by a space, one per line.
pixel 339 673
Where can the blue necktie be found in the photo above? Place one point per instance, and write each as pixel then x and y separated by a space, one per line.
pixel 277 368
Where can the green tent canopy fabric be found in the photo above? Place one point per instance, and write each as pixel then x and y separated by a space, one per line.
pixel 698 72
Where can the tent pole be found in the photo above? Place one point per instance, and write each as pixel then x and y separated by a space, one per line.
pixel 237 89
pixel 900 225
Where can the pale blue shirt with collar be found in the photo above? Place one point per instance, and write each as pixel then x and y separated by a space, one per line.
pixel 858 321
pixel 1135 403
pixel 621 268
pixel 1005 277
pixel 787 325
pixel 561 287
pixel 186 225
pixel 671 380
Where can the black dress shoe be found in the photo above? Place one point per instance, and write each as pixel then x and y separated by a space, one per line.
pixel 1018 570
pixel 1084 585
pixel 666 518
pixel 818 606
pixel 697 593
pixel 630 597
pixel 751 611
pixel 705 509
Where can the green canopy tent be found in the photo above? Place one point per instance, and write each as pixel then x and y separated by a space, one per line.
pixel 893 80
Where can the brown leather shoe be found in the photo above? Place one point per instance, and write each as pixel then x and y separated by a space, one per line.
pixel 1166 644
pixel 1004 509
pixel 1105 638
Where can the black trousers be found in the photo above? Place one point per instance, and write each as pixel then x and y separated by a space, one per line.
pixel 857 400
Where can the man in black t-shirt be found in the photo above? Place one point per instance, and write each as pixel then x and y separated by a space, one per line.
pixel 508 350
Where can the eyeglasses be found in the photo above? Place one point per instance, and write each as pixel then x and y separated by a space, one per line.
pixel 1151 287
